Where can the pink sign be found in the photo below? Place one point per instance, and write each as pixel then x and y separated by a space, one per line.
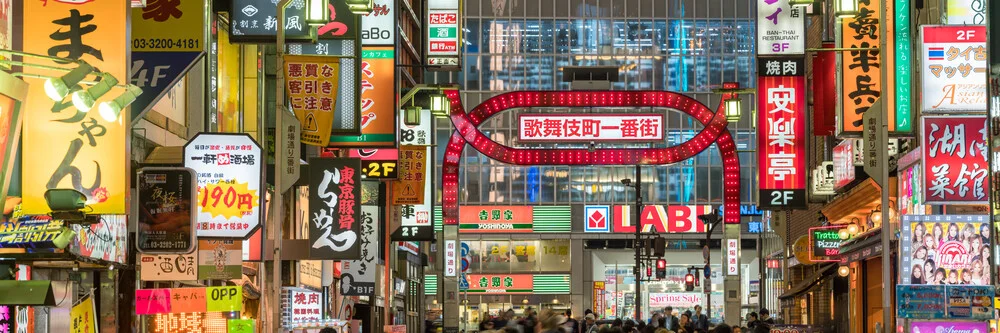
pixel 955 163
pixel 152 301
pixel 950 327
pixel 590 127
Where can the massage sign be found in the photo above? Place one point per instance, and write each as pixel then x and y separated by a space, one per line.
pixel 335 208
pixel 229 191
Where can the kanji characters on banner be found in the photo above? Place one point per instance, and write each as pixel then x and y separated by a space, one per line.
pixel 781 146
pixel 335 208
pixel 955 159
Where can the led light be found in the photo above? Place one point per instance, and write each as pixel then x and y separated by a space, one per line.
pixel 845 8
pixel 853 229
pixel 58 88
pixel 411 115
pixel 110 110
pixel 844 234
pixel 84 100
pixel 843 271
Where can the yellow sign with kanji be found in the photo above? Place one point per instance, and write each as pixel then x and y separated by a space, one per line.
pixel 83 318
pixel 311 85
pixel 65 148
pixel 169 25
pixel 409 189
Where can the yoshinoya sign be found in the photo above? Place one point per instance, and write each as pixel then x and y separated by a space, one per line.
pixel 656 218
pixel 780 28
pixel 954 68
pixel 782 143
pixel 955 163
pixel 590 127
pixel 227 167
pixel 500 283
pixel 496 219
pixel 824 243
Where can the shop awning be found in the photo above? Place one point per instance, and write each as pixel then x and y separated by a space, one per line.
pixel 858 202
pixel 809 281
pixel 862 247
pixel 31 293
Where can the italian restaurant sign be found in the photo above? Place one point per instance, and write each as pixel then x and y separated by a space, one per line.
pixel 955 165
pixel 229 183
pixel 655 218
pixel 590 127
pixel 954 68
pixel 945 249
pixel 496 219
pixel 782 151
pixel 825 243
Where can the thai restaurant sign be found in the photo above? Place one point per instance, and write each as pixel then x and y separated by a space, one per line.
pixel 496 219
pixel 655 218
pixel 590 127
pixel 955 165
pixel 64 147
pixel 782 120
pixel 780 28
pixel 954 68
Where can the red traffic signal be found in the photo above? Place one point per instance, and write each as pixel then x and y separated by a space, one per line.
pixel 661 264
pixel 661 269
pixel 689 282
pixel 649 271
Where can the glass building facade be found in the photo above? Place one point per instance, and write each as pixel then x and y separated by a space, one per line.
pixel 514 45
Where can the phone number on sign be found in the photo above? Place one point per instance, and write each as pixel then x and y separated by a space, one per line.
pixel 164 43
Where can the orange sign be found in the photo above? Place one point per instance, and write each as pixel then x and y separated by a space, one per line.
pixel 311 84
pixel 378 101
pixel 409 189
pixel 63 147
pixel 861 68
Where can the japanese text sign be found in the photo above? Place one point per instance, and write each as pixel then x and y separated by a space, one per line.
pixel 949 326
pixel 955 166
pixel 590 127
pixel 732 257
pixel 168 267
pixel 241 325
pixel 379 26
pixel 378 101
pixel 417 135
pixel 409 189
pixel 903 58
pixel 496 219
pixel 843 163
pixel 945 249
pixel 191 322
pixel 921 301
pixel 63 147
pixel 166 210
pixel 780 28
pixel 450 258
pixel 182 300
pixel 301 306
pixel 357 277
pixel 335 208
pixel 444 32
pixel 83 316
pixel 256 21
pixel 229 183
pixel 971 302
pixel 500 283
pixel 860 69
pixel 954 68
pixel 825 244
pixel 169 25
pixel 105 240
pixel 311 84
pixel 220 259
pixel 782 123
pixel 36 231
pixel 377 163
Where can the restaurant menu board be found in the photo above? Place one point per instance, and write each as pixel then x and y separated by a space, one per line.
pixel 945 249
pixel 166 214
pixel 227 167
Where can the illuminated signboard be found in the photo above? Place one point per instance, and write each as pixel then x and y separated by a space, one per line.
pixel 732 256
pixel 443 33
pixel 590 127
pixel 825 242
pixel 843 163
pixel 500 283
pixel 301 305
pixel 954 68
pixel 948 249
pixel 496 219
pixel 656 218
pixel 377 163
pixel 229 183
pixel 450 258
pixel 781 28
pixel 955 164
pixel 782 117
pixel 30 232
pixel 199 322
pixel 182 300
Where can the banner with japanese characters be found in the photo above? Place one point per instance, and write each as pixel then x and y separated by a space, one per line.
pixel 168 267
pixel 357 277
pixel 444 33
pixel 300 306
pixel 83 315
pixel 229 183
pixel 954 68
pixel 220 259
pixel 168 37
pixel 954 166
pixel 256 21
pixel 415 219
pixel 780 28
pixel 541 127
pixel 861 79
pixel 378 101
pixel 781 122
pixel 311 84
pixel 64 147
pixel 409 189
pixel 166 210
pixel 335 208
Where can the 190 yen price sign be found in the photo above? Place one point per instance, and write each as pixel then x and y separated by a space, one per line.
pixel 229 194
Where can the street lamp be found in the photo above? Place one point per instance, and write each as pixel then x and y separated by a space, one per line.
pixel 801 3
pixel 440 104
pixel 58 88
pixel 360 7
pixel 317 12
pixel 411 115
pixel 845 8
pixel 109 110
pixel 733 109
pixel 84 100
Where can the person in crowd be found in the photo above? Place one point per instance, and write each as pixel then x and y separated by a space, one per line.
pixel 572 325
pixel 617 323
pixel 738 329
pixel 629 326
pixel 503 319
pixel 700 319
pixel 654 320
pixel 589 324
pixel 761 326
pixel 552 323
pixel 765 316
pixel 328 330
pixel 722 328
pixel 686 323
pixel 752 320
pixel 530 321
pixel 670 319
pixel 486 325
pixel 917 275
pixel 641 325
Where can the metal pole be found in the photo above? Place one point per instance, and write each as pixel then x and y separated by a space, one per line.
pixel 887 281
pixel 638 249
pixel 277 201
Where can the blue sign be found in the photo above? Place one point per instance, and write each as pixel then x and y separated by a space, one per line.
pixel 921 301
pixel 156 73
pixel 754 227
pixel 746 210
pixel 970 302
pixel 463 283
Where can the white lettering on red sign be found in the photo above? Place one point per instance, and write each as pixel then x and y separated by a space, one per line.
pixel 580 127
pixel 955 166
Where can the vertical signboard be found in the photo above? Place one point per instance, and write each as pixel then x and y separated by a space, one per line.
pixel 83 315
pixel 301 306
pixel 965 12
pixel 379 26
pixel 732 257
pixel 954 167
pixel 378 101
pixel 450 258
pixel 335 208
pixel 167 39
pixel 861 78
pixel 954 68
pixel 416 223
pixel 357 277
pixel 781 146
pixel 903 54
pixel 843 163
pixel 229 183
pixel 220 259
pixel 780 28
pixel 443 33
pixel 409 189
pixel 311 85
pixel 63 147
pixel 166 200
pixel 12 98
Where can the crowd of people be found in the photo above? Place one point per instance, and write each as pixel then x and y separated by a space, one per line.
pixel 548 321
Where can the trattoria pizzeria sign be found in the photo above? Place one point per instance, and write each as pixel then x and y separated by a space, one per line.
pixel 590 127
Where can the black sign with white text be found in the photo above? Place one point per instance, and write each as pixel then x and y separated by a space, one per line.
pixel 166 215
pixel 335 208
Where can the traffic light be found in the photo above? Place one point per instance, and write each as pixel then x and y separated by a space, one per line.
pixel 649 272
pixel 689 282
pixel 661 269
